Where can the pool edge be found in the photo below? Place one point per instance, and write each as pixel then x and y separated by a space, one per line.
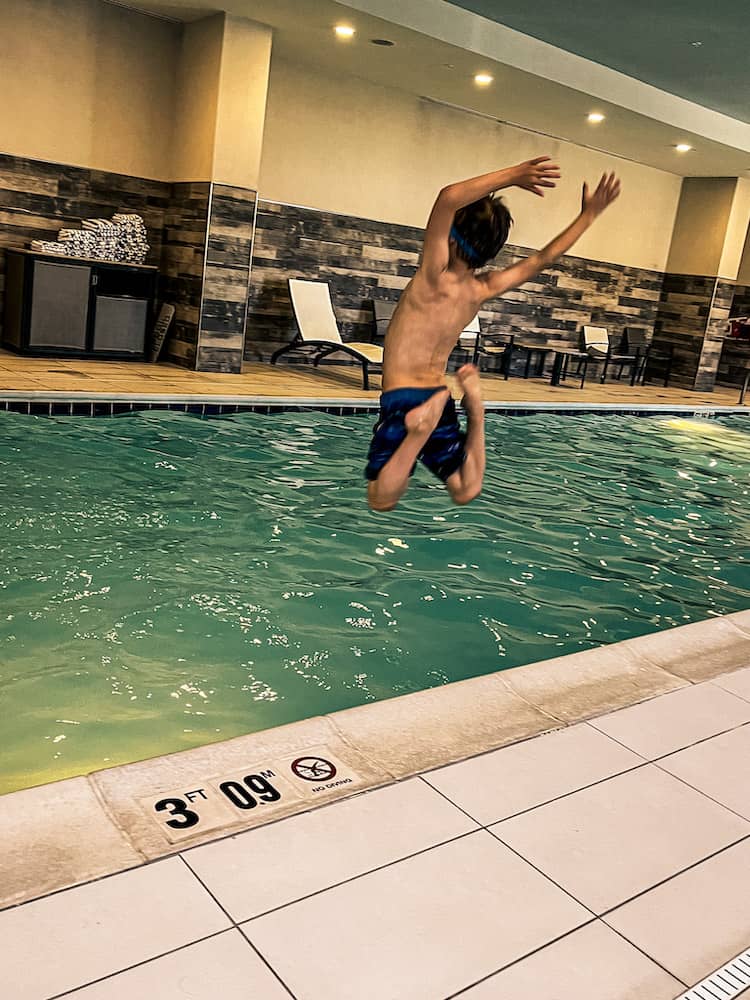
pixel 81 829
pixel 81 403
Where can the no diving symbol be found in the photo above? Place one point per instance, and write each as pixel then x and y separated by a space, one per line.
pixel 313 769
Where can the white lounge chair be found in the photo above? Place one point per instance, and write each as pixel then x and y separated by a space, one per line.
pixel 318 331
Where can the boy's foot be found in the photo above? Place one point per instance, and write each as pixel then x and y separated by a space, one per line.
pixel 423 419
pixel 468 379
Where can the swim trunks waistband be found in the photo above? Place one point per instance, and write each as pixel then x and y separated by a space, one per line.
pixel 408 396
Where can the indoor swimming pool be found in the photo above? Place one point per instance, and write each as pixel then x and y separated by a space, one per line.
pixel 168 581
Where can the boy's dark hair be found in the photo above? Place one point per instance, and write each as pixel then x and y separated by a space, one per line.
pixel 480 230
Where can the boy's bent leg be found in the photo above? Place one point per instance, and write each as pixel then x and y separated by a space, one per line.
pixel 466 483
pixel 385 492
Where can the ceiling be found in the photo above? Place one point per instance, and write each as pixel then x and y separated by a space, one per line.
pixel 439 46
pixel 652 41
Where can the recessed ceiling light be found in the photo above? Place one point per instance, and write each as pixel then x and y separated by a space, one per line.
pixel 382 41
pixel 483 79
pixel 595 117
pixel 344 31
pixel 682 147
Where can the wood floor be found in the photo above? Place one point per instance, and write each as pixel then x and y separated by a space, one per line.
pixel 45 375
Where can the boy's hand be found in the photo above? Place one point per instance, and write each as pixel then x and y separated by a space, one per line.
pixel 606 192
pixel 533 175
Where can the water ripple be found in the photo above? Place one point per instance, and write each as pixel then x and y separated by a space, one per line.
pixel 168 581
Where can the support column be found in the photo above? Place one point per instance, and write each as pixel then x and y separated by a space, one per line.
pixel 704 260
pixel 218 139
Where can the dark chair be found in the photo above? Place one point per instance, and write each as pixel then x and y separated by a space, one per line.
pixel 636 340
pixel 561 361
pixel 598 345
pixel 383 312
pixel 493 345
pixel 487 345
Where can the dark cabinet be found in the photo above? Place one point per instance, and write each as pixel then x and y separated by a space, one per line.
pixel 60 306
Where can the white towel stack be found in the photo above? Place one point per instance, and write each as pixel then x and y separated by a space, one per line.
pixel 123 239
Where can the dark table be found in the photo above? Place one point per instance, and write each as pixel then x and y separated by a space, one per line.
pixel 531 350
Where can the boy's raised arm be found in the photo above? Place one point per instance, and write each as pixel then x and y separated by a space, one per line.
pixel 533 175
pixel 592 205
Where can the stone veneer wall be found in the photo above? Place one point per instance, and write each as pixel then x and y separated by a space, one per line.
pixel 226 285
pixel 692 319
pixel 682 315
pixel 741 301
pixel 363 259
pixel 735 359
pixel 716 334
pixel 182 261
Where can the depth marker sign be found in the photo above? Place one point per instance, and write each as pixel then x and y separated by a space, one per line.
pixel 258 791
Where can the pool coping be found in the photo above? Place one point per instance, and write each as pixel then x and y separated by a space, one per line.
pixel 81 829
pixel 81 403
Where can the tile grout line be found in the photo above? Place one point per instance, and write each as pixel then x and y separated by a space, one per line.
pixel 670 878
pixel 531 864
pixel 600 917
pixel 548 802
pixel 549 944
pixel 705 794
pixel 237 928
pixel 136 965
pixel 651 958
pixel 736 695
pixel 361 875
pixel 422 775
pixel 644 762
pixel 503 968
pixel 672 753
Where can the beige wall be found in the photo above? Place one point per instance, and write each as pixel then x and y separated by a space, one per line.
pixel 221 101
pixel 88 84
pixel 348 146
pixel 197 97
pixel 737 229
pixel 743 274
pixel 241 110
pixel 701 225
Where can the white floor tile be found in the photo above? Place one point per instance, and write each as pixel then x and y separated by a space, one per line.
pixel 508 781
pixel 222 968
pixel 72 938
pixel 719 768
pixel 673 721
pixel 265 868
pixel 417 930
pixel 738 682
pixel 607 843
pixel 697 921
pixel 592 963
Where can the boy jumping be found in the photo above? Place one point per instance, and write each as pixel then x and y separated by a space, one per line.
pixel 466 230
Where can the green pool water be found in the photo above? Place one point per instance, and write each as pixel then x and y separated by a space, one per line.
pixel 167 581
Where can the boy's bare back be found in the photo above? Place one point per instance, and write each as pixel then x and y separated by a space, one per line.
pixel 417 419
pixel 446 292
pixel 426 326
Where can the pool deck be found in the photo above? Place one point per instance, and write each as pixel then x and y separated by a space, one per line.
pixel 50 378
pixel 577 829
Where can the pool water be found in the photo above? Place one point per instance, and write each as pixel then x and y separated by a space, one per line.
pixel 167 581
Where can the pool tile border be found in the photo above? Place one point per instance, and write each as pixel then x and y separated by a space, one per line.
pixel 47 849
pixel 108 404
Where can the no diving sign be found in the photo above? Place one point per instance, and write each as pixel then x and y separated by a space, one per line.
pixel 315 769
pixel 258 790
